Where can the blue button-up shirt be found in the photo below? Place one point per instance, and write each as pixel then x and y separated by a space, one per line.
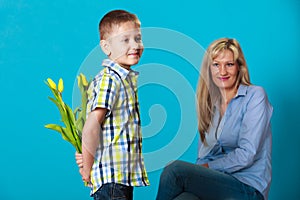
pixel 240 142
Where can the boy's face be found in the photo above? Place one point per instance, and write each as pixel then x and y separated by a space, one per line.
pixel 124 45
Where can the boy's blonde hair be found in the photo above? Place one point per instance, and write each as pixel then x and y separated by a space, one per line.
pixel 207 92
pixel 115 18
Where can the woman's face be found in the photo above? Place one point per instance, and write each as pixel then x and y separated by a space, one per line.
pixel 224 71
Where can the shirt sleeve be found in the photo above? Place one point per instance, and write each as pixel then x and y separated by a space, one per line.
pixel 104 93
pixel 254 128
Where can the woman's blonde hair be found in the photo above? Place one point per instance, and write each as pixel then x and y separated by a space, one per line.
pixel 208 93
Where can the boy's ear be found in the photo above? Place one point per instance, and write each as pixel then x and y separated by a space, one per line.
pixel 105 47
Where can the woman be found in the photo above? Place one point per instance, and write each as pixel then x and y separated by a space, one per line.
pixel 234 154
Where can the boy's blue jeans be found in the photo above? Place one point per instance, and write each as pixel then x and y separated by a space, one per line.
pixel 112 191
pixel 186 181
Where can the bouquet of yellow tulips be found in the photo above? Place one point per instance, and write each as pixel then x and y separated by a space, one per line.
pixel 73 120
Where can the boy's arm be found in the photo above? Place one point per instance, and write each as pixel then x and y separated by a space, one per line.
pixel 90 140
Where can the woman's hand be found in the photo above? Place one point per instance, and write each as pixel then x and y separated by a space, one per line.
pixel 205 165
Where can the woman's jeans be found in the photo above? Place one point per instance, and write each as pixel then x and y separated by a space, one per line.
pixel 181 180
pixel 112 191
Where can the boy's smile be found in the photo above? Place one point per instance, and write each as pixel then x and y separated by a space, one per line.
pixel 124 46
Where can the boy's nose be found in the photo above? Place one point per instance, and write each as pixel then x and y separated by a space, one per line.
pixel 135 45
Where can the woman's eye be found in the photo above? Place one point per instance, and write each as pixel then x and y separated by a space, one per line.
pixel 215 64
pixel 126 40
pixel 230 64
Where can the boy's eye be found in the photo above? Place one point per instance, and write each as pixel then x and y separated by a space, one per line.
pixel 126 40
pixel 138 39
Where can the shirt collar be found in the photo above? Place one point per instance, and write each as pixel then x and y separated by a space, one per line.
pixel 117 68
pixel 242 90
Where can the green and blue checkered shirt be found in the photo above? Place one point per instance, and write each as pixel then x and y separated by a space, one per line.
pixel 118 158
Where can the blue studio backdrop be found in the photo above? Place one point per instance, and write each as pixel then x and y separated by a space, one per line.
pixel 59 39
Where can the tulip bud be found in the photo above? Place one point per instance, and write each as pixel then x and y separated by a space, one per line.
pixel 60 85
pixel 51 83
pixel 78 81
pixel 84 81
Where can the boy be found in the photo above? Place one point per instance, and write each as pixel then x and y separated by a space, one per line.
pixel 112 159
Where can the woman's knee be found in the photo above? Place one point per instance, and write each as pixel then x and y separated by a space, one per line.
pixel 174 168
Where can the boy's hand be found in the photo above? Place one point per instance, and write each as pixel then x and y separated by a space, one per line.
pixel 85 174
pixel 78 157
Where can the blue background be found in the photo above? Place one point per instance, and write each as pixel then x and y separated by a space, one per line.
pixel 41 39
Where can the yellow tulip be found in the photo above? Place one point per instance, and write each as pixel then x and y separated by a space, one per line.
pixel 84 81
pixel 51 83
pixel 78 81
pixel 60 85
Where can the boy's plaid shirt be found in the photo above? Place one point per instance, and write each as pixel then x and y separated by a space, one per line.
pixel 118 158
